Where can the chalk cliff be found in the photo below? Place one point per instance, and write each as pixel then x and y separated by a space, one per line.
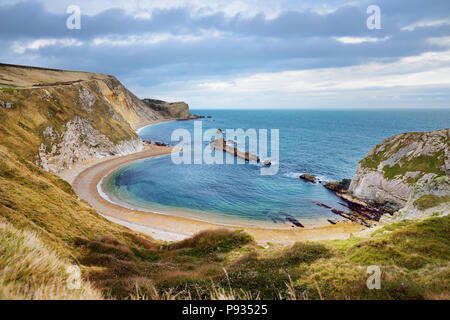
pixel 58 118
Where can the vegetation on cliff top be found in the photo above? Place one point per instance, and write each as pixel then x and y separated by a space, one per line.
pixel 424 163
pixel 429 201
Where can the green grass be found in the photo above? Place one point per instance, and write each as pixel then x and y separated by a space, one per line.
pixel 425 164
pixel 30 270
pixel 8 89
pixel 212 242
pixel 429 201
pixel 372 161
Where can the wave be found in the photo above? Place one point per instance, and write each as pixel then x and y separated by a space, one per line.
pixel 292 175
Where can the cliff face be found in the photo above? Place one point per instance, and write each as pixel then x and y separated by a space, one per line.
pixel 125 103
pixel 388 173
pixel 56 124
pixel 426 200
pixel 177 110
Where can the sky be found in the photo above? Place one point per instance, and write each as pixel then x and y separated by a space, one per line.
pixel 239 54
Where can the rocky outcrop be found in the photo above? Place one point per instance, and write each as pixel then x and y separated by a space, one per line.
pixel 404 177
pixel 341 186
pixel 169 110
pixel 308 177
pixel 427 199
pixel 80 141
pixel 386 176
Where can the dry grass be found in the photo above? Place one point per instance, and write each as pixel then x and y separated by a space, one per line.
pixel 213 241
pixel 29 270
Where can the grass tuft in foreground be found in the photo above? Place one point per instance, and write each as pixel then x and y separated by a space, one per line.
pixel 29 270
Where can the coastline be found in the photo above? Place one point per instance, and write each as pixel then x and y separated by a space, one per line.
pixel 85 177
pixel 140 125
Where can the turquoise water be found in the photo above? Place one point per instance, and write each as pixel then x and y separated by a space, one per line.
pixel 327 144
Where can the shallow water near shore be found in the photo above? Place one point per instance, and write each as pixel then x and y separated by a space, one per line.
pixel 326 144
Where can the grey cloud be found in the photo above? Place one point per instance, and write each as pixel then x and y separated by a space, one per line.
pixel 293 40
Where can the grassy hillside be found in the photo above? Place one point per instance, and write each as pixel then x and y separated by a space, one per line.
pixel 15 76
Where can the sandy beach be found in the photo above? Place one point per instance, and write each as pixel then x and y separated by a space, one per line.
pixel 85 177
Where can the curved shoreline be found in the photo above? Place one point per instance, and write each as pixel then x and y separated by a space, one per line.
pixel 86 177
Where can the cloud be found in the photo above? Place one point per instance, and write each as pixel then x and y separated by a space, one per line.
pixel 34 45
pixel 426 69
pixel 358 40
pixel 421 80
pixel 193 47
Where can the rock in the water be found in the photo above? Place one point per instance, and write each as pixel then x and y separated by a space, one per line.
pixel 220 144
pixel 323 205
pixel 308 177
pixel 340 186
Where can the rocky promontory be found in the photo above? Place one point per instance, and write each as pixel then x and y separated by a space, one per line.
pixel 387 174
pixel 404 177
pixel 169 110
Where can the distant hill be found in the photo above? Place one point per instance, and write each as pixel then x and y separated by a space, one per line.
pixel 177 110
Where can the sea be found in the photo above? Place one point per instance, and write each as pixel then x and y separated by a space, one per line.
pixel 327 144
